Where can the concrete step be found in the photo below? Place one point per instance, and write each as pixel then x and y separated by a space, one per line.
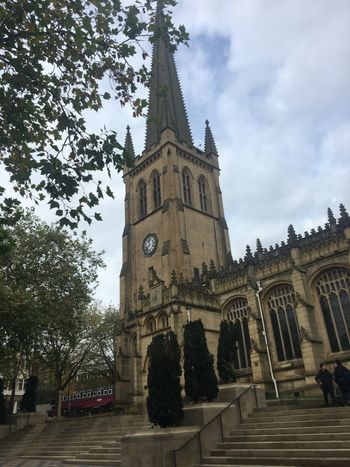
pixel 299 417
pixel 281 453
pixel 293 430
pixel 296 423
pixel 285 445
pixel 300 410
pixel 73 445
pixel 280 461
pixel 56 453
pixel 43 457
pixel 98 457
pixel 289 437
pixel 107 450
pixel 82 437
pixel 100 463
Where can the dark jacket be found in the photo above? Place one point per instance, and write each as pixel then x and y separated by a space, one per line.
pixel 342 376
pixel 324 378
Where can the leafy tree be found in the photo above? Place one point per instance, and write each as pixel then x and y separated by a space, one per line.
pixel 200 379
pixel 28 402
pixel 3 412
pixel 56 59
pixel 101 361
pixel 17 321
pixel 58 272
pixel 164 402
pixel 226 346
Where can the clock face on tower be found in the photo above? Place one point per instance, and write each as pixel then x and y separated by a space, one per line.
pixel 150 244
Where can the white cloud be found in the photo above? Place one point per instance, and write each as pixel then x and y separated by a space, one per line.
pixel 273 78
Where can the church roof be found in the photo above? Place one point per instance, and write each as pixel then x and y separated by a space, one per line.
pixel 166 105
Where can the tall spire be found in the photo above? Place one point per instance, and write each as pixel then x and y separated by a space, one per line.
pixel 209 143
pixel 129 151
pixel 166 104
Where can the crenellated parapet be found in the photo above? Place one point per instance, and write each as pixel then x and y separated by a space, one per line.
pixel 321 243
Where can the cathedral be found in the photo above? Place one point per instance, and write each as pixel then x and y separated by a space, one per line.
pixel 290 304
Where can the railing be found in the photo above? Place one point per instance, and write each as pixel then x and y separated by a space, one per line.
pixel 217 417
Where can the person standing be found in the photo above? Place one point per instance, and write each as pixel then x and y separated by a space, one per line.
pixel 342 378
pixel 324 379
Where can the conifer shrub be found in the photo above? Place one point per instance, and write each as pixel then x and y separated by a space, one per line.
pixel 164 401
pixel 225 358
pixel 3 412
pixel 28 402
pixel 200 379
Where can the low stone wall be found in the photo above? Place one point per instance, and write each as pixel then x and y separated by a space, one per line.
pixel 4 431
pixel 21 420
pixel 154 448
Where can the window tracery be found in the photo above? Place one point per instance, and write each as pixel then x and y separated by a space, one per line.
pixel 143 198
pixel 237 312
pixel 284 323
pixel 150 325
pixel 163 321
pixel 202 183
pixel 333 290
pixel 186 186
pixel 157 200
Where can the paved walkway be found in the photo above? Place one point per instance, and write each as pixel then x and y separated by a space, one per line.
pixel 36 463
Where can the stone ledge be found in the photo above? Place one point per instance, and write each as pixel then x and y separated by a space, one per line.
pixel 154 447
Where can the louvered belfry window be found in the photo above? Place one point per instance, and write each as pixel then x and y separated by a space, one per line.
pixel 186 186
pixel 284 323
pixel 237 312
pixel 143 198
pixel 333 290
pixel 157 200
pixel 203 193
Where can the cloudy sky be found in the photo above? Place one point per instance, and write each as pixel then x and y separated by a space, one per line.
pixel 273 78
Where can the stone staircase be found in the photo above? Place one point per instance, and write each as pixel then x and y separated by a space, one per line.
pixel 10 447
pixel 288 436
pixel 89 441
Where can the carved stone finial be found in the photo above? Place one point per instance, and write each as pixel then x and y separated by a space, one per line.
pixel 212 268
pixel 331 219
pixel 141 294
pixel 292 237
pixel 254 346
pixel 299 300
pixel 259 247
pixel 173 280
pixel 248 255
pixel 305 336
pixel 344 219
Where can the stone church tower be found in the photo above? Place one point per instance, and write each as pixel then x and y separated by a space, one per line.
pixel 174 215
pixel 290 303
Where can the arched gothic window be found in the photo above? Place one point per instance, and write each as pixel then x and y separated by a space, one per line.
pixel 150 325
pixel 143 198
pixel 237 312
pixel 203 193
pixel 163 321
pixel 333 290
pixel 284 322
pixel 186 186
pixel 157 201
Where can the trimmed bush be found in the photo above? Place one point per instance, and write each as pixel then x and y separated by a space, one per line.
pixel 164 402
pixel 226 347
pixel 200 379
pixel 28 402
pixel 3 412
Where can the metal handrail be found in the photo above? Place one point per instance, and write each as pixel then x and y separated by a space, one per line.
pixel 219 415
